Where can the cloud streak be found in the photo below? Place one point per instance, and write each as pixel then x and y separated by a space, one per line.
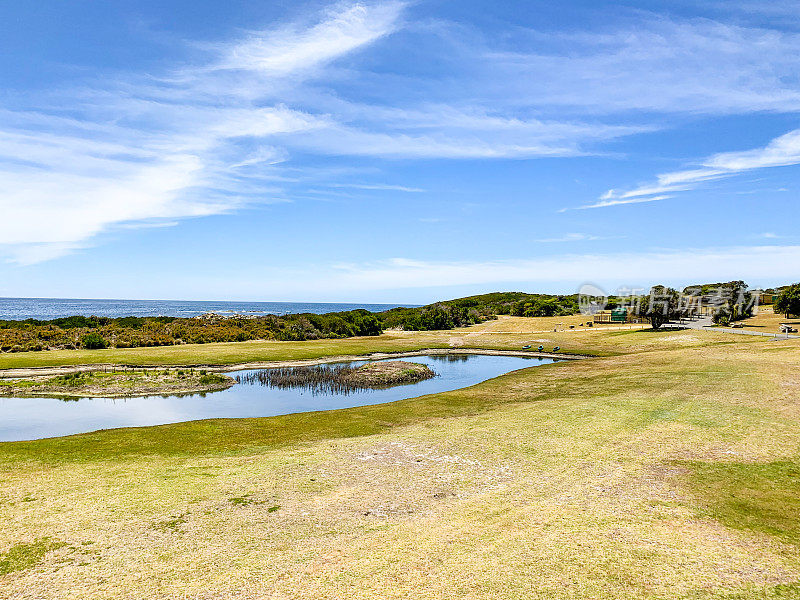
pixel 607 201
pixel 378 187
pixel 780 152
pixel 652 65
pixel 571 237
pixel 294 49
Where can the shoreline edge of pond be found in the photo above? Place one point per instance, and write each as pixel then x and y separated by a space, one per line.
pixel 64 370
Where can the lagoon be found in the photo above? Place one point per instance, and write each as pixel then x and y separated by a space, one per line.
pixel 35 418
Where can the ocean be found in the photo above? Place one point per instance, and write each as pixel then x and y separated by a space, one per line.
pixel 54 308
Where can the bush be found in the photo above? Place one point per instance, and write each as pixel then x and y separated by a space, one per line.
pixel 721 319
pixel 94 341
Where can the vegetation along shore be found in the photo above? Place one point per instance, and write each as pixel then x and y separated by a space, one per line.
pixel 98 333
pixel 101 333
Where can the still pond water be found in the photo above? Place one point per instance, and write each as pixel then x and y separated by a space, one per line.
pixel 34 418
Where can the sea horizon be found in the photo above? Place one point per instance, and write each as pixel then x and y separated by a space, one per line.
pixel 21 308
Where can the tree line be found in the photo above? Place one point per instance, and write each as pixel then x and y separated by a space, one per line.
pixel 734 301
pixel 730 301
pixel 131 332
pixel 95 332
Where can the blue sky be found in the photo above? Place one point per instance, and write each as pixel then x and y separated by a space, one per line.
pixel 395 151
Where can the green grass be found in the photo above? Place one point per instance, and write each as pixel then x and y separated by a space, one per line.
pixel 217 353
pixel 245 500
pixel 173 523
pixel 26 555
pixel 761 497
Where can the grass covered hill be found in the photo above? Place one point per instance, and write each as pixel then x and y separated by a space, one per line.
pixel 94 333
pixel 476 309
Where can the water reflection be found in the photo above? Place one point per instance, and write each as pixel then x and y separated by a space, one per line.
pixel 451 357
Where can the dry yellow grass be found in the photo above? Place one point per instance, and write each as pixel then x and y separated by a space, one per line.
pixel 504 333
pixel 767 321
pixel 571 487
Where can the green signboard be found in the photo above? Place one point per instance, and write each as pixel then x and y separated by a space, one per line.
pixel 619 315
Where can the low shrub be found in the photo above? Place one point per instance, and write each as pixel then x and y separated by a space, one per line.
pixel 94 341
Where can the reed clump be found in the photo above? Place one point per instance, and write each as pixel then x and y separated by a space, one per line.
pixel 340 379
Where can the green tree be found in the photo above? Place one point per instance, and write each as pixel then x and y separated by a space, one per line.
pixel 739 301
pixel 660 306
pixel 788 301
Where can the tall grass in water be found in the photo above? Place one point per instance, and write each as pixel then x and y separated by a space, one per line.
pixel 337 379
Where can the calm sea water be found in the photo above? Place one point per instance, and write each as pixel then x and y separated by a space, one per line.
pixel 33 418
pixel 53 308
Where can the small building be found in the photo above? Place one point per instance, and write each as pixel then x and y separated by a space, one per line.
pixel 619 315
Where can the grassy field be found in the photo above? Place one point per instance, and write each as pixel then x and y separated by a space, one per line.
pixel 668 468
pixel 505 333
pixel 766 321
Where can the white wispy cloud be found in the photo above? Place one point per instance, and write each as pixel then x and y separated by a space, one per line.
pixel 779 152
pixel 378 186
pixel 153 151
pixel 611 201
pixel 217 134
pixel 651 64
pixel 294 48
pixel 211 136
pixel 571 237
